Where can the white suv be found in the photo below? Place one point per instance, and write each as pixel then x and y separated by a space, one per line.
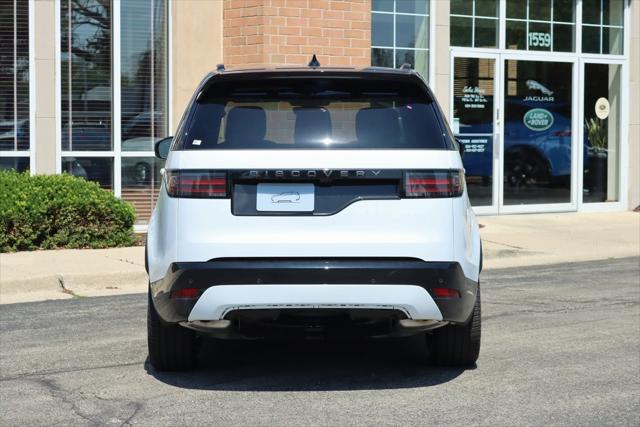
pixel 313 202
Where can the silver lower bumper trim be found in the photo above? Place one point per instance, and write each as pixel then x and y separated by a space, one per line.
pixel 217 301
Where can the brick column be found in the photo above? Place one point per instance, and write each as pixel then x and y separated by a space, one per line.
pixel 289 32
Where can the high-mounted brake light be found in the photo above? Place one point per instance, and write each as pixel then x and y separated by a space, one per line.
pixel 196 184
pixel 436 183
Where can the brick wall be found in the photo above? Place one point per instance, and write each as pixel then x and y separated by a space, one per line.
pixel 289 32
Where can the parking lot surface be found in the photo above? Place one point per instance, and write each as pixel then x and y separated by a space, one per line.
pixel 561 345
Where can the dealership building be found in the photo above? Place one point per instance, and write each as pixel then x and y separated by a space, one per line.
pixel 544 94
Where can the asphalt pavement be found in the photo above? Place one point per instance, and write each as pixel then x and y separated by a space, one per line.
pixel 560 345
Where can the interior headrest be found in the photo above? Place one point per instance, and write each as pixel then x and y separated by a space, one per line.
pixel 313 124
pixel 245 125
pixel 377 126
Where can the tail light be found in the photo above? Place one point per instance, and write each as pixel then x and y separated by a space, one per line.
pixel 436 183
pixel 196 184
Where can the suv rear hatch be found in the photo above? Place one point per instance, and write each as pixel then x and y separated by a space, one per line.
pixel 314 164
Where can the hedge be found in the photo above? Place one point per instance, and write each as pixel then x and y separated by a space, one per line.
pixel 60 211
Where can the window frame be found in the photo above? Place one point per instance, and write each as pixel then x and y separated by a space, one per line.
pixel 31 152
pixel 473 18
pixel 601 26
pixel 577 52
pixel 551 22
pixel 116 153
pixel 430 18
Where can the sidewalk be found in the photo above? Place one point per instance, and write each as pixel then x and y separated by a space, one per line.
pixel 522 240
pixel 509 241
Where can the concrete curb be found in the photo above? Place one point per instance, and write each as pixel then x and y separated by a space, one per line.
pixel 61 286
pixel 61 274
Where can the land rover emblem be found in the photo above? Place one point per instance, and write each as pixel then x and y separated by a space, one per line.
pixel 538 119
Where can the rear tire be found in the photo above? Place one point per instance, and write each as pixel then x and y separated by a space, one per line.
pixel 171 347
pixel 458 345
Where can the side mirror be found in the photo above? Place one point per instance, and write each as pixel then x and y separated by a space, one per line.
pixel 460 147
pixel 162 147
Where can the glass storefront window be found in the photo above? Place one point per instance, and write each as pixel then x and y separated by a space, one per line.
pixel 517 9
pixel 419 7
pixel 382 29
pixel 98 169
pixel 564 10
pixel 602 26
pixel 382 57
pixel 19 164
pixel 144 99
pixel 87 95
pixel 86 82
pixel 544 25
pixel 143 73
pixel 400 34
pixel 382 5
pixel 474 23
pixel 539 10
pixel 461 31
pixel 140 184
pixel 537 106
pixel 601 133
pixel 14 83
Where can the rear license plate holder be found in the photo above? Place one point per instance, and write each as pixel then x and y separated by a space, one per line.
pixel 298 197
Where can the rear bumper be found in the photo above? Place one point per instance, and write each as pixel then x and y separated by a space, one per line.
pixel 402 285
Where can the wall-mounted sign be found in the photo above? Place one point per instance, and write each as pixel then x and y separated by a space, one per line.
pixel 602 108
pixel 538 119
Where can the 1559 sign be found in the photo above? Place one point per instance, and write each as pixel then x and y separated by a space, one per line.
pixel 539 40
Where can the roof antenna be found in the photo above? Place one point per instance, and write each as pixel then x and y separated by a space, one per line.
pixel 405 66
pixel 314 62
pixel 220 68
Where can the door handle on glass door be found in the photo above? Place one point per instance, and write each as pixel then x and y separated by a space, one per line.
pixel 496 135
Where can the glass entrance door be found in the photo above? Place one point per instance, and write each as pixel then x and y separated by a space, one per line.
pixel 515 118
pixel 475 125
pixel 537 147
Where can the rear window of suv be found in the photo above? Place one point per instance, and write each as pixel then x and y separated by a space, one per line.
pixel 314 113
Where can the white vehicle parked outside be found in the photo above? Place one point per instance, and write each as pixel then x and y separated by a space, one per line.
pixel 313 202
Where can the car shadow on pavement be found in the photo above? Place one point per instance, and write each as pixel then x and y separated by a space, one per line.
pixel 310 366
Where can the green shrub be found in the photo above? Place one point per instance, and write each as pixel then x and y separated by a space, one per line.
pixel 60 211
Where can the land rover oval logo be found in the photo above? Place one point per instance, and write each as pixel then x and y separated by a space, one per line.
pixel 538 119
